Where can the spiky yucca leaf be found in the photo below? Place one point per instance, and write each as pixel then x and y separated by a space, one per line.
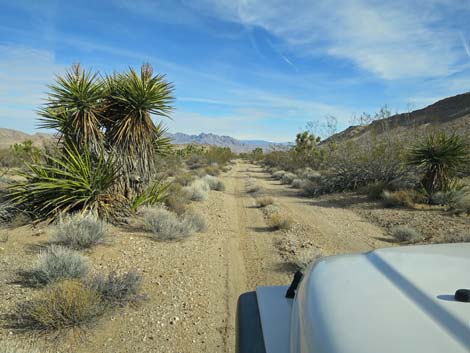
pixel 439 156
pixel 163 145
pixel 74 108
pixel 73 181
pixel 156 193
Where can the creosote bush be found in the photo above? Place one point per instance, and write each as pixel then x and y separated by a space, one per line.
pixel 117 289
pixel 402 233
pixel 264 201
pixel 81 231
pixel 54 264
pixel 279 221
pixel 67 304
pixel 166 225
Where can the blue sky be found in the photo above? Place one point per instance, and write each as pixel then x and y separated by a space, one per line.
pixel 258 69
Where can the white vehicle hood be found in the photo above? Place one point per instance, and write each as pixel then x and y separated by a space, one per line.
pixel 396 300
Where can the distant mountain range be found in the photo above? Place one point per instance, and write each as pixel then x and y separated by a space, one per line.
pixel 224 141
pixel 9 137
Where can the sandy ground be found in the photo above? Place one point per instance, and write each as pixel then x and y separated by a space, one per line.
pixel 193 285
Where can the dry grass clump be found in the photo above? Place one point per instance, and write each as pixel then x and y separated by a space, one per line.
pixel 226 168
pixel 166 225
pixel 184 179
pixel 212 170
pixel 10 347
pixel 117 289
pixel 279 174
pixel 264 201
pixel 403 233
pixel 54 264
pixel 197 191
pixel 401 198
pixel 375 190
pixel 279 221
pixel 288 178
pixel 67 304
pixel 81 231
pixel 214 183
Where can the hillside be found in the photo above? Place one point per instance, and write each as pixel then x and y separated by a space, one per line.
pixel 9 137
pixel 450 114
pixel 222 141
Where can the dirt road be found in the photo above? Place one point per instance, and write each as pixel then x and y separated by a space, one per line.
pixel 193 285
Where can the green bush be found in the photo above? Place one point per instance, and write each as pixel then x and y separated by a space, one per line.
pixel 80 231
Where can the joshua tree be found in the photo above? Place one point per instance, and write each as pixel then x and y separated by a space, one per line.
pixel 440 157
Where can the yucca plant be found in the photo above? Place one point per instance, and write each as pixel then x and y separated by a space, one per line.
pixel 72 181
pixel 74 108
pixel 439 156
pixel 156 193
pixel 130 100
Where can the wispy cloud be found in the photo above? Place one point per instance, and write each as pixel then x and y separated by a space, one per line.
pixel 393 40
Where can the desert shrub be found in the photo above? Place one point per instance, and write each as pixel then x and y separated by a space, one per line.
pixel 405 198
pixel 10 347
pixel 214 183
pixel 166 225
pixel 67 304
pixel 117 289
pixel 177 200
pixel 7 212
pixel 197 191
pixel 264 201
pixel 279 221
pixel 226 168
pixel 402 233
pixel 184 179
pixel 461 204
pixel 252 187
pixel 297 183
pixel 279 174
pixel 81 231
pixel 287 178
pixel 194 221
pixel 212 170
pixel 375 190
pixel 54 264
pixel 454 238
pixel 310 188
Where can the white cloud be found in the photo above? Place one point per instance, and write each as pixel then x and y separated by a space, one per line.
pixel 24 74
pixel 393 40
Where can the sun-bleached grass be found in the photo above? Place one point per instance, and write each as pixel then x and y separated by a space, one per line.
pixel 54 264
pixel 11 347
pixel 80 231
